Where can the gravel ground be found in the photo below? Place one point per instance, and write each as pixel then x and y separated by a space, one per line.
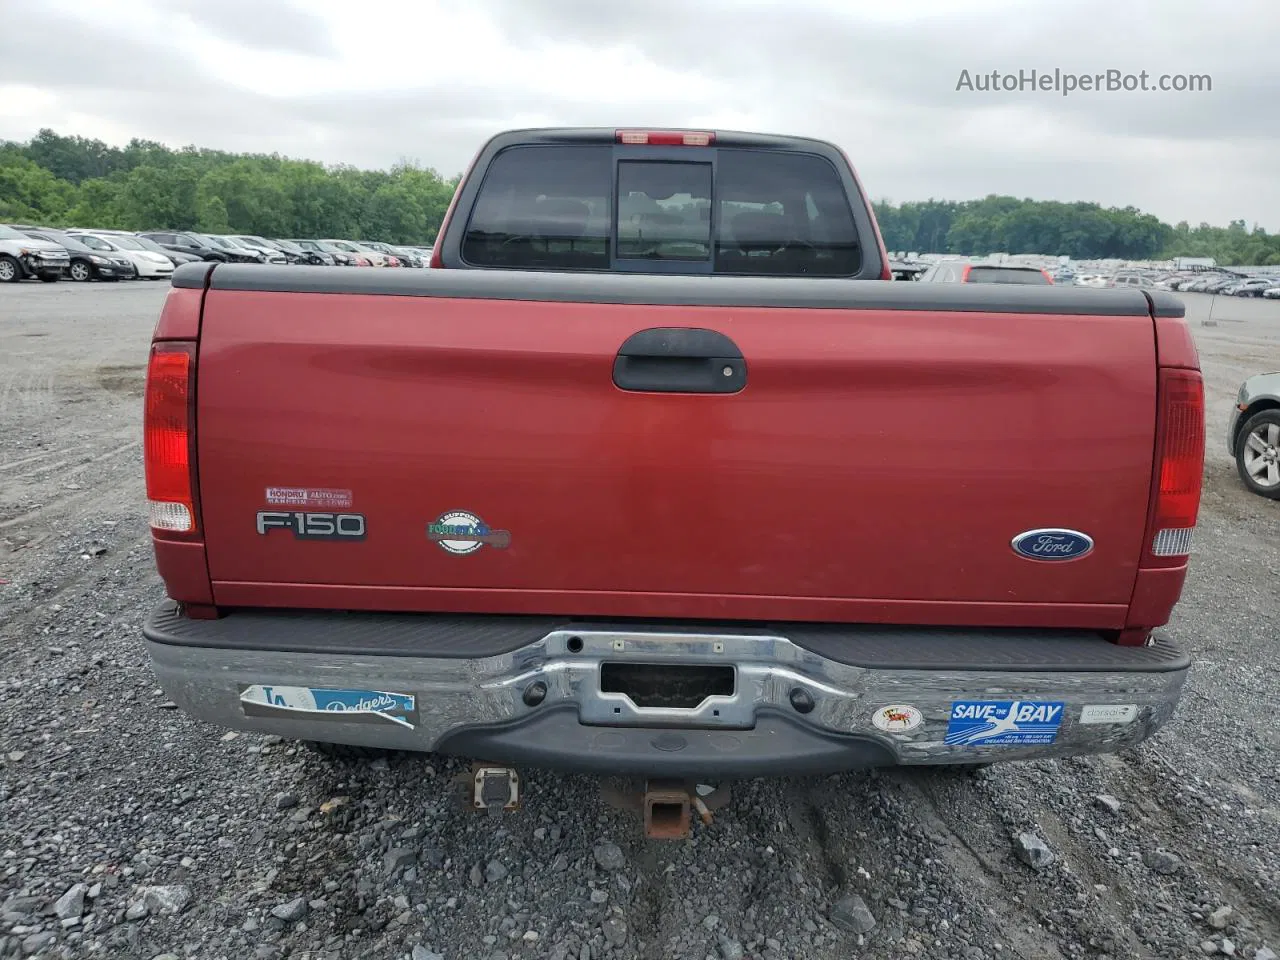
pixel 129 830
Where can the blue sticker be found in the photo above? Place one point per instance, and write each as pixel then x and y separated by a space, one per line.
pixel 1003 722
pixel 325 703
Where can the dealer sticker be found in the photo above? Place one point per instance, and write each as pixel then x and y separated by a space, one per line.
pixel 1109 713
pixel 320 497
pixel 1003 722
pixel 324 703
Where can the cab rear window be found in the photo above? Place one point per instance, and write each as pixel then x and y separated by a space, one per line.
pixel 733 211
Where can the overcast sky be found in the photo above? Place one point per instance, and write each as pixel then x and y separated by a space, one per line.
pixel 370 84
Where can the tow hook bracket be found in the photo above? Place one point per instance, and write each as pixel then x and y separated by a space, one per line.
pixel 667 807
pixel 492 788
pixel 666 811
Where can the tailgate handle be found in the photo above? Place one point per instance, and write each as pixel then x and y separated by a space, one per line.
pixel 679 360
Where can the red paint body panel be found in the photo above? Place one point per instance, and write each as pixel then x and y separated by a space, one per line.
pixel 182 567
pixel 876 466
pixel 1155 594
pixel 180 315
pixel 1175 345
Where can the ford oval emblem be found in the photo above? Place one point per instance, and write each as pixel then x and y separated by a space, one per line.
pixel 1052 544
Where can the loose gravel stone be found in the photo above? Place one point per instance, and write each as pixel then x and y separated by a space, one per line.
pixel 730 949
pixel 1033 851
pixel 494 872
pixel 291 911
pixel 165 900
pixel 1108 803
pixel 399 859
pixel 609 856
pixel 71 904
pixel 852 915
pixel 615 931
pixel 1220 917
pixel 1162 861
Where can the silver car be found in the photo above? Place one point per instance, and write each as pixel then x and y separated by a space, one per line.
pixel 1253 434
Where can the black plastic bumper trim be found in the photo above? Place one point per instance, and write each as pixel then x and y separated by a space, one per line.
pixel 777 746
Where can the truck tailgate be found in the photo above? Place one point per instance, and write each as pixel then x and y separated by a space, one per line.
pixel 879 462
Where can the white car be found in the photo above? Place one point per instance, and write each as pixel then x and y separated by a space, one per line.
pixel 150 265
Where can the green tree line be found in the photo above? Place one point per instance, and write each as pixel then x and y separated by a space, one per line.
pixel 75 181
pixel 1083 231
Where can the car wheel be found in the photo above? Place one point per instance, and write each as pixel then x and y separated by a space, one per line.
pixel 10 269
pixel 80 271
pixel 1258 454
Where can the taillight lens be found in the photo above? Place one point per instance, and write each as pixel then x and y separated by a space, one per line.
pixel 168 437
pixel 1181 465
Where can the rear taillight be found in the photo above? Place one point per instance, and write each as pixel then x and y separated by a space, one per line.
pixel 667 138
pixel 1047 279
pixel 169 437
pixel 1180 464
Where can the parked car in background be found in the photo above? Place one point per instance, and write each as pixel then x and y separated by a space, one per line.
pixel 403 257
pixel 256 245
pixel 189 243
pixel 343 258
pixel 296 254
pixel 1253 287
pixel 23 257
pixel 415 257
pixel 1272 293
pixel 375 257
pixel 1132 280
pixel 1217 285
pixel 236 252
pixel 177 258
pixel 966 271
pixel 1253 434
pixel 148 264
pixel 86 262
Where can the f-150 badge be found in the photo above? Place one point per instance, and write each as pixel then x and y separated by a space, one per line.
pixel 458 531
pixel 313 526
pixel 1052 543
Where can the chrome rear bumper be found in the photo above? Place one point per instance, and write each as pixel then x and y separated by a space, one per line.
pixel 791 709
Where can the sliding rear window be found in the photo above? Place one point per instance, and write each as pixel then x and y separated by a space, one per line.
pixel 728 211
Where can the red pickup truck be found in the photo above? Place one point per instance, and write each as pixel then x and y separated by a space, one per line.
pixel 655 472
